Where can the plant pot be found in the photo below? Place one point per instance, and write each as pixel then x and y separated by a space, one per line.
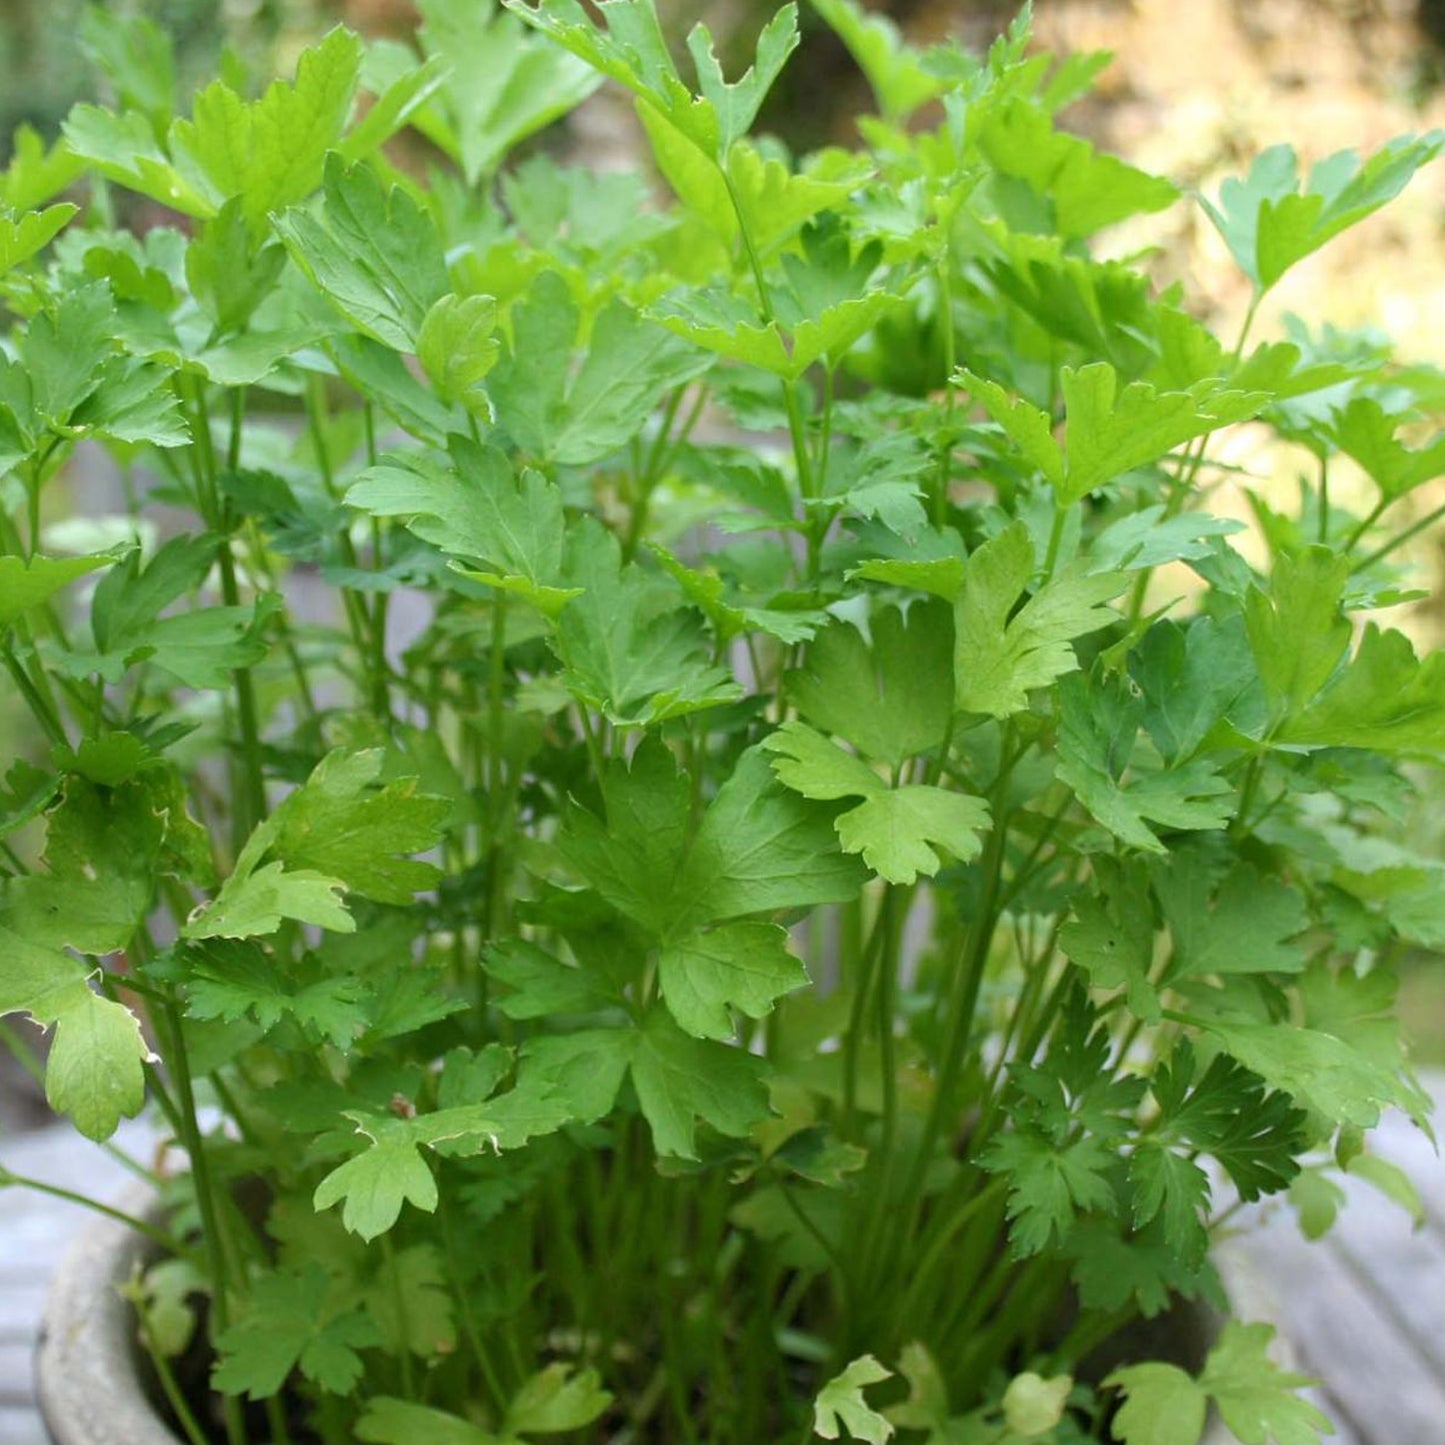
pixel 89 1374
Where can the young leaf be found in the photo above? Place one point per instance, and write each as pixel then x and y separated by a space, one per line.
pixel 557 416
pixel 1257 1399
pixel 841 1404
pixel 24 236
pixel 475 506
pixel 900 83
pixel 457 347
pixel 270 152
pixel 1269 224
pixel 1002 650
pixel 1162 1405
pixel 24 585
pixel 375 255
pixel 389 1421
pixel 556 1400
pixel 256 902
pixel 503 83
pixel 895 829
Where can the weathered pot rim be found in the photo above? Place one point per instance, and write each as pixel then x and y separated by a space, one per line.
pixel 87 1363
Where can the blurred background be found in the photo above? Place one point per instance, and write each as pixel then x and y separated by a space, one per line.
pixel 1197 89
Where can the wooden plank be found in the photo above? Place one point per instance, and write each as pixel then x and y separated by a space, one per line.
pixel 1384 1390
pixel 21 1427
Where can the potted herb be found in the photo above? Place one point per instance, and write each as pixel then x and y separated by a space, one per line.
pixel 618 783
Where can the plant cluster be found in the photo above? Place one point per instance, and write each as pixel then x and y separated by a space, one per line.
pixel 671 790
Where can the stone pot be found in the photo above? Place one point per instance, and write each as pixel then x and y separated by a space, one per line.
pixel 89 1378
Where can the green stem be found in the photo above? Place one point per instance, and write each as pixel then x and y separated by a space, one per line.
pixel 1399 540
pixel 211 1240
pixel 158 1237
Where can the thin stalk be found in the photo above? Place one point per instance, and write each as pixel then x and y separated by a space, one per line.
pixel 175 1397
pixel 398 1303
pixel 167 1242
pixel 1399 540
pixel 211 1238
pixel 945 452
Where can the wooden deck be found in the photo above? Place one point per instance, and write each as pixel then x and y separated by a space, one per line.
pixel 1363 1310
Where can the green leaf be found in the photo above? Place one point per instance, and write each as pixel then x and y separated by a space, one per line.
pixel 890 695
pixel 1386 699
pixel 24 585
pixel 762 848
pixel 270 152
pixel 1109 431
pixel 1319 1071
pixel 389 1421
pixel 411 1300
pixel 503 83
pixel 1246 924
pixel 558 415
pixel 375 1184
pixel 1163 1406
pixel 457 346
pixel 475 506
pixel 94 1068
pixel 24 236
pixel 555 1400
pixel 1258 1400
pixel 136 56
pixel 634 852
pixel 899 82
pixel 1098 732
pixel 104 850
pixel 1366 432
pixel 629 649
pixel 1111 934
pixel 1049 1185
pixel 841 1404
pixel 256 902
pixel 1295 629
pixel 1001 649
pixel 738 965
pixel 632 51
pixel 231 980
pixel 1085 190
pixel 1227 1113
pixel 288 1321
pixel 200 647
pixel 680 1079
pixel 895 829
pixel 375 254
pixel 1269 224
pixel 540 984
pixel 36 173
pixel 346 822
